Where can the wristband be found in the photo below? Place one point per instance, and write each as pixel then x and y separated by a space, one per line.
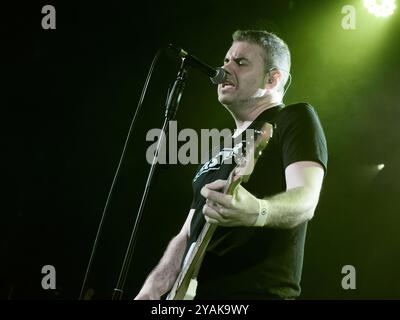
pixel 262 214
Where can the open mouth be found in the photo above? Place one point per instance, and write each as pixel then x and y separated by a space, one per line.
pixel 228 84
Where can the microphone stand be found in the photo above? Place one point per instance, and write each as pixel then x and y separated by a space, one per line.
pixel 172 104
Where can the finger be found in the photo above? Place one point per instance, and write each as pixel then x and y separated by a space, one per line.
pixel 210 203
pixel 211 213
pixel 210 220
pixel 222 199
pixel 217 184
pixel 214 206
pixel 221 221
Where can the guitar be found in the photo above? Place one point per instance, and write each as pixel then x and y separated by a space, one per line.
pixel 185 285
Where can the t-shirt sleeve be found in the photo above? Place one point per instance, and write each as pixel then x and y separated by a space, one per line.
pixel 302 137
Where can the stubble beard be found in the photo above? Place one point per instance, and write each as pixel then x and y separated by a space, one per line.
pixel 240 106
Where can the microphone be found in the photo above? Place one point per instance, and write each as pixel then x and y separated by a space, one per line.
pixel 217 75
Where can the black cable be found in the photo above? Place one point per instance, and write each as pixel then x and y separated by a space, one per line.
pixel 99 229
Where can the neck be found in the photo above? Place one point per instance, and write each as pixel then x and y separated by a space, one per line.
pixel 247 116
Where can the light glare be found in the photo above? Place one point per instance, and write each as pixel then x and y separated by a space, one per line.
pixel 383 8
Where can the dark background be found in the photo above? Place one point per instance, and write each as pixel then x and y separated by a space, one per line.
pixel 69 95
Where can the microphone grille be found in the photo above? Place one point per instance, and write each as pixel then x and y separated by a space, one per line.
pixel 219 77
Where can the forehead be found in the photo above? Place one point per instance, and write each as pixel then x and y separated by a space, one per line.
pixel 245 49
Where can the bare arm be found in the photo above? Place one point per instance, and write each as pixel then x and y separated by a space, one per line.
pixel 298 203
pixel 284 210
pixel 163 276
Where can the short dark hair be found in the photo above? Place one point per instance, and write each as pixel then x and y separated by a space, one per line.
pixel 276 51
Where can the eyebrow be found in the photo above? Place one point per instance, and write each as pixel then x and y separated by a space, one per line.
pixel 237 58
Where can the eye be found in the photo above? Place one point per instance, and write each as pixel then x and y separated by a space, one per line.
pixel 240 62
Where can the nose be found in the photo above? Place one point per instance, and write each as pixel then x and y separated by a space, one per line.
pixel 227 67
pixel 226 71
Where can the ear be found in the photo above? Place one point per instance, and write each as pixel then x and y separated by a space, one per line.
pixel 272 79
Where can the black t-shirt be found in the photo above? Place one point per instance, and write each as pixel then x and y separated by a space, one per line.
pixel 253 262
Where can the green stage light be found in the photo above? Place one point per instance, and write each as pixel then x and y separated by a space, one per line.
pixel 383 8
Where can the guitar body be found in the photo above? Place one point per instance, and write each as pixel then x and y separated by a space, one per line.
pixel 185 285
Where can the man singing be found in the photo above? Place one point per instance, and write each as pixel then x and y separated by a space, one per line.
pixel 257 249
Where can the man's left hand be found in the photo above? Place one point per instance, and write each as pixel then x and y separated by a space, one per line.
pixel 239 209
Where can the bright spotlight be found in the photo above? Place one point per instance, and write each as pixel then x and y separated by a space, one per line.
pixel 380 166
pixel 383 8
